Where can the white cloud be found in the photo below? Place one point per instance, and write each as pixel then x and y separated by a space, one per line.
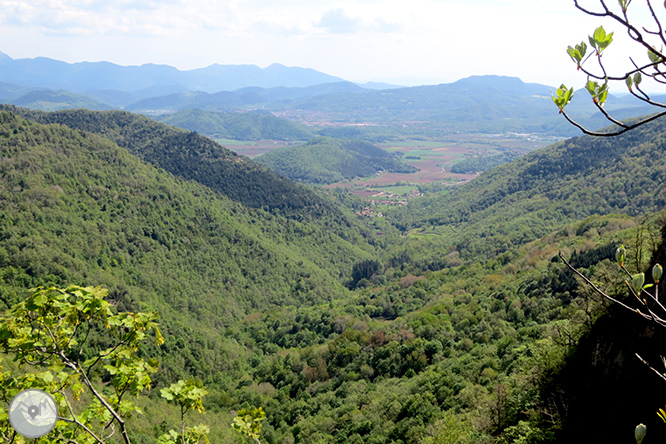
pixel 337 21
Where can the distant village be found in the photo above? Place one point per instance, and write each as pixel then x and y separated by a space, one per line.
pixel 386 198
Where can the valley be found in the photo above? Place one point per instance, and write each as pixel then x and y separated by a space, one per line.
pixel 363 284
pixel 433 159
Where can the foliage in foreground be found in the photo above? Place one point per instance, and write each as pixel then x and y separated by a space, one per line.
pixel 67 342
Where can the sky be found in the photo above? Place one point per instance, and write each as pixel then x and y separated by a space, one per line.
pixel 405 42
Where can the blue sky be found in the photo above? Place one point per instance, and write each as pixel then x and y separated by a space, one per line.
pixel 401 41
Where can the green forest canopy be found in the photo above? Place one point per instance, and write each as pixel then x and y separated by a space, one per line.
pixel 462 338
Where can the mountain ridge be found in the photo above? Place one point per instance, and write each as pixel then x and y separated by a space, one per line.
pixel 79 77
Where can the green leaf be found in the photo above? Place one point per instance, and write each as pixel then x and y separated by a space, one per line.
pixel 662 414
pixel 47 377
pixel 166 394
pixel 564 96
pixel 600 40
pixel 638 78
pixel 640 433
pixel 603 95
pixel 637 282
pixel 577 53
pixel 657 271
pixel 598 92
pixel 654 57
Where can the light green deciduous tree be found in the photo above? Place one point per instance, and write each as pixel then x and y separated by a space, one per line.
pixel 50 337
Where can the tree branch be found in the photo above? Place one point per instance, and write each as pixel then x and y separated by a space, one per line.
pixel 598 290
pixel 76 421
pixel 612 133
pixel 661 375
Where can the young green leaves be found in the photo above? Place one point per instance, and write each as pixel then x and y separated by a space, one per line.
pixel 577 53
pixel 620 255
pixel 248 423
pixel 624 4
pixel 564 96
pixel 598 92
pixel 637 282
pixel 657 272
pixel 654 57
pixel 635 80
pixel 640 433
pixel 600 40
pixel 50 331
pixel 185 394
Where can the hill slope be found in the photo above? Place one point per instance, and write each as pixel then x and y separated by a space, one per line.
pixel 408 359
pixel 79 209
pixel 49 100
pixel 239 126
pixel 250 97
pixel 327 160
pixel 486 104
pixel 191 156
pixel 525 199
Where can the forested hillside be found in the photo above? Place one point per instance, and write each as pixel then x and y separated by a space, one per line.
pixel 326 160
pixel 77 208
pixel 192 157
pixel 239 126
pixel 520 201
pixel 49 100
pixel 463 335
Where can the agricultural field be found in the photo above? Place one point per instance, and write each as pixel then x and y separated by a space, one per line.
pixel 433 158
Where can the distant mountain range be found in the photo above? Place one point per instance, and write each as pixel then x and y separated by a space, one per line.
pixel 80 77
pixel 486 104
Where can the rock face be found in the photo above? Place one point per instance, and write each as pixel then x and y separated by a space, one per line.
pixel 609 390
pixel 606 391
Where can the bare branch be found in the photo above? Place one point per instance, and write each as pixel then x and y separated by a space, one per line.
pixel 613 133
pixel 608 116
pixel 76 421
pixel 77 369
pixel 103 355
pixel 598 290
pixel 661 375
pixel 660 30
pixel 588 12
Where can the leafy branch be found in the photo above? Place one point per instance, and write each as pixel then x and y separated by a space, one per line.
pixel 652 68
pixel 48 332
pixel 248 423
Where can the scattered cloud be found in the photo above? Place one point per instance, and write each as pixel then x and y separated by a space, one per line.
pixel 364 19
pixel 337 21
pixel 354 39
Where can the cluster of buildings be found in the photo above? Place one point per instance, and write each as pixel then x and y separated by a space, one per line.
pixel 390 199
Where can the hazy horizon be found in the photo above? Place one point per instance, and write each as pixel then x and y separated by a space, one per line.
pixel 358 40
